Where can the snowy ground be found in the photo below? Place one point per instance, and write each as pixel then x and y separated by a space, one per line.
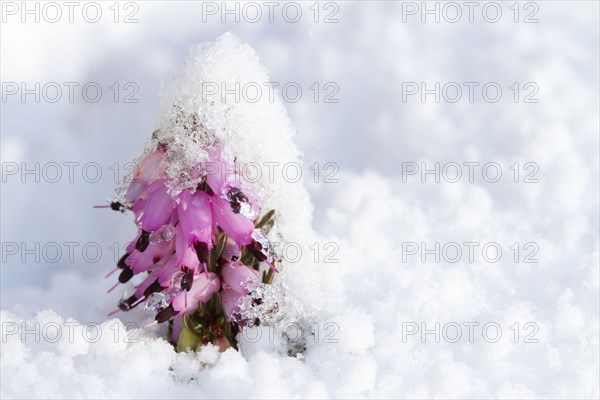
pixel 387 313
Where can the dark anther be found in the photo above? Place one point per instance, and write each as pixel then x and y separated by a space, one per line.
pixel 257 302
pixel 257 250
pixel 236 197
pixel 154 287
pixel 126 304
pixel 126 275
pixel 161 145
pixel 116 206
pixel 143 241
pixel 256 322
pixel 188 279
pixel 121 264
pixel 205 187
pixel 201 251
pixel 165 314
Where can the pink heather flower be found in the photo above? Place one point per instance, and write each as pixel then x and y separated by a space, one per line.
pixel 201 289
pixel 238 277
pixel 231 251
pixel 157 207
pixel 175 248
pixel 155 253
pixel 195 218
pixel 230 303
pixel 149 169
pixel 236 226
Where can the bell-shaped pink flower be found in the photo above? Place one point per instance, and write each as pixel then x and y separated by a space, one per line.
pixel 195 218
pixel 155 253
pixel 166 273
pixel 237 226
pixel 238 277
pixel 138 206
pixel 217 171
pixel 229 303
pixel 239 200
pixel 146 172
pixel 203 287
pixel 157 209
pixel 231 251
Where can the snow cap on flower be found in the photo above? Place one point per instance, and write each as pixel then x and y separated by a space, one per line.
pixel 203 233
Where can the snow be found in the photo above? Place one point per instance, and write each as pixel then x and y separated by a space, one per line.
pixel 251 132
pixel 359 315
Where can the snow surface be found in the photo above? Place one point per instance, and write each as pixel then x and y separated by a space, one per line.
pixel 370 295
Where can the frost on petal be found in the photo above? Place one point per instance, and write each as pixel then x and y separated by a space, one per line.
pixel 235 225
pixel 157 209
pixel 239 277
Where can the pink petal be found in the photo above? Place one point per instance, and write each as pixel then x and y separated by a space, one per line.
pixel 229 302
pixel 195 218
pixel 202 290
pixel 238 277
pixel 157 209
pixel 177 327
pixel 148 170
pixel 143 261
pixel 235 225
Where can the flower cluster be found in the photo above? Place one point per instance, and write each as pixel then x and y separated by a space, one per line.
pixel 202 251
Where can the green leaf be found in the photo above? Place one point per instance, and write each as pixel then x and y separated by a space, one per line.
pixel 220 245
pixel 215 253
pixel 267 221
pixel 268 278
pixel 247 258
pixel 188 339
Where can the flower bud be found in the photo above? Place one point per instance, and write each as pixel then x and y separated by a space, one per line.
pixel 195 218
pixel 204 286
pixel 157 209
pixel 238 277
pixel 229 302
